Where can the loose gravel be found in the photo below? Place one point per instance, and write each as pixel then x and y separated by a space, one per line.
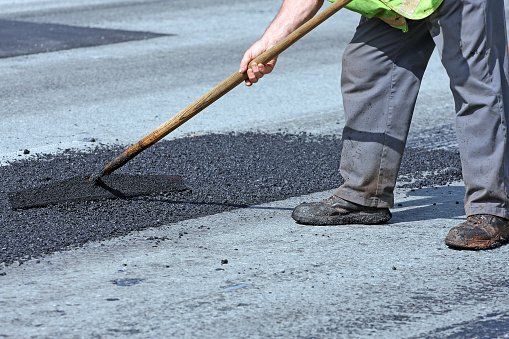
pixel 224 172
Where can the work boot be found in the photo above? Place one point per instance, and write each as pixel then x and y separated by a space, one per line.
pixel 479 232
pixel 337 211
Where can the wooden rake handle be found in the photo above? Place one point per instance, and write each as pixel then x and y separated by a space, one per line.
pixel 218 91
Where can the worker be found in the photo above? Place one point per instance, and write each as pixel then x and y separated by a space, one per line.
pixel 383 66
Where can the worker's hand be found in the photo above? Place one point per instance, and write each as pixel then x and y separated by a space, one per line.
pixel 256 71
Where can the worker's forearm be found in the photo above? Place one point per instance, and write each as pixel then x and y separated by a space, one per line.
pixel 293 13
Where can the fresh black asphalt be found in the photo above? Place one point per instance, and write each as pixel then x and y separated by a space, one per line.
pixel 224 172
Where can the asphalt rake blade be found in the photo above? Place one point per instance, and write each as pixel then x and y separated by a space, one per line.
pixel 80 189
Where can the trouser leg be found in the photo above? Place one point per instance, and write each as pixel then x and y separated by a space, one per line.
pixel 382 72
pixel 471 38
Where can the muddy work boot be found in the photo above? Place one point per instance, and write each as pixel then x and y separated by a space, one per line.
pixel 479 232
pixel 336 211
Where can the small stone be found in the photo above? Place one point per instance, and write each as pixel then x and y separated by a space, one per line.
pixel 394 268
pixel 26 151
pixel 224 261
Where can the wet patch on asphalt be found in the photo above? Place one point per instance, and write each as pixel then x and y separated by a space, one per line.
pixel 224 172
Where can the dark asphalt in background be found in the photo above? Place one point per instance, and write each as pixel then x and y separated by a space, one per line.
pixel 23 38
pixel 224 172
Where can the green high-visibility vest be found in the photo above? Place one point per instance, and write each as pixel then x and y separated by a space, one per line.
pixel 395 12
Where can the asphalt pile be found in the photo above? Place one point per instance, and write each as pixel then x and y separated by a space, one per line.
pixel 224 172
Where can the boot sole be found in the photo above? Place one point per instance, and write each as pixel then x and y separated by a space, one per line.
pixel 356 218
pixel 479 245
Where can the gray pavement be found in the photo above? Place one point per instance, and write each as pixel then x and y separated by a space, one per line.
pixel 396 280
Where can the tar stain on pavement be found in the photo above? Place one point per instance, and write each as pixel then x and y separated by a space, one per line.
pixel 127 282
pixel 224 172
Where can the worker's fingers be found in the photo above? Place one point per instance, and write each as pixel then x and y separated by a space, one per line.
pixel 256 71
pixel 271 64
pixel 244 63
pixel 251 76
pixel 267 69
pixel 254 67
pixel 244 67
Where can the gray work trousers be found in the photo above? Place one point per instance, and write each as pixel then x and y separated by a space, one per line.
pixel 382 72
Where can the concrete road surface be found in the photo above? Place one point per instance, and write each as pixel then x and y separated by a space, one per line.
pixel 251 272
pixel 280 280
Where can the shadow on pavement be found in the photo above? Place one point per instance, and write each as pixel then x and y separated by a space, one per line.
pixel 430 203
pixel 215 203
